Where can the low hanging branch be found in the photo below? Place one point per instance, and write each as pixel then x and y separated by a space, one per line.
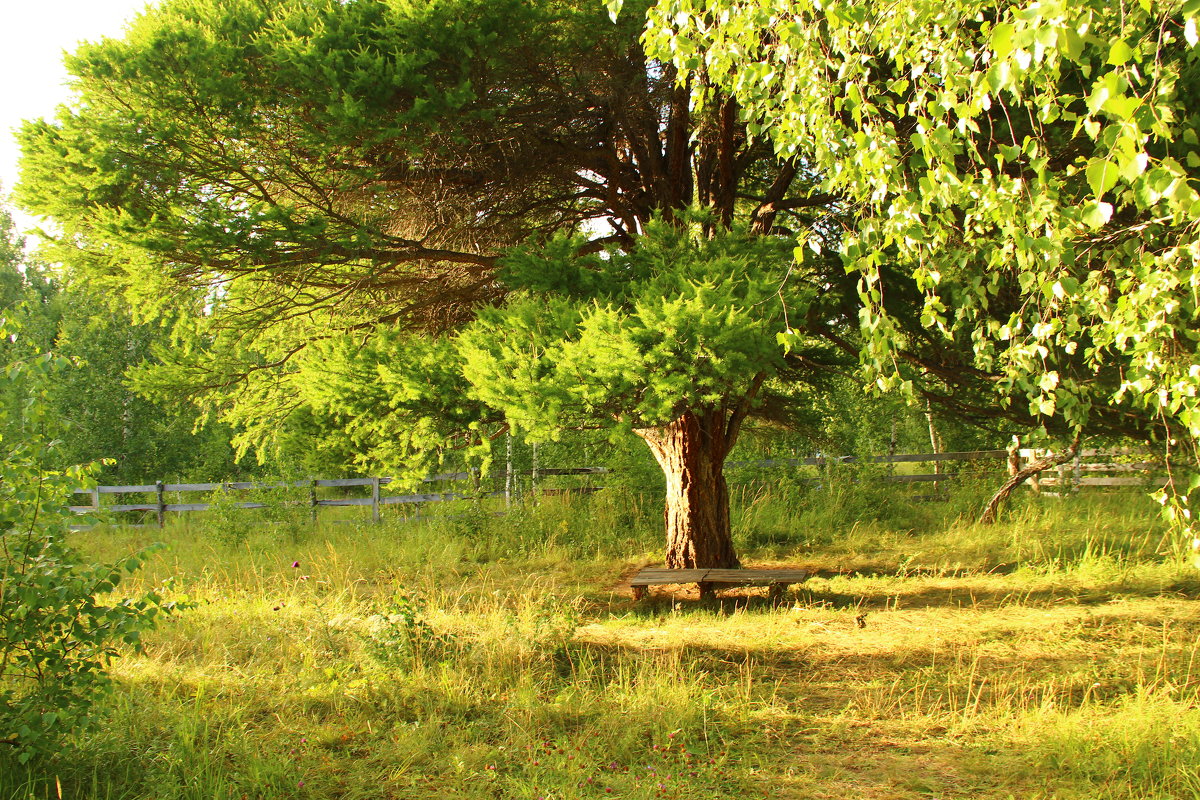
pixel 988 517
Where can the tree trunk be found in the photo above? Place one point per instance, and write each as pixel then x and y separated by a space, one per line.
pixel 691 451
pixel 935 438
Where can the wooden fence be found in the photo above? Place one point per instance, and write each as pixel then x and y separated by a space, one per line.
pixel 376 501
pixel 1090 468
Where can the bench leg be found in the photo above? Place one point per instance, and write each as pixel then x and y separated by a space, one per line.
pixel 639 592
pixel 707 592
pixel 775 592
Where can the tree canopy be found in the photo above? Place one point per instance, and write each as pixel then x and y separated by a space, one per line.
pixel 314 166
pixel 430 220
pixel 1033 168
pixel 311 171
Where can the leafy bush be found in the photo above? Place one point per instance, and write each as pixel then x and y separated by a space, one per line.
pixel 281 501
pixel 400 635
pixel 58 630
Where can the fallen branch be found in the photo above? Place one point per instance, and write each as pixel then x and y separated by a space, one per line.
pixel 992 509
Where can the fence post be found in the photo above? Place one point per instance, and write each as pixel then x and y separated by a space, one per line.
pixel 1014 456
pixel 892 450
pixel 96 499
pixel 375 500
pixel 312 500
pixel 162 506
pixel 1077 471
pixel 508 470
pixel 534 471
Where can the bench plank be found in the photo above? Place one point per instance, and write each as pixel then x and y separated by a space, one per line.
pixel 750 576
pixel 654 577
pixel 705 579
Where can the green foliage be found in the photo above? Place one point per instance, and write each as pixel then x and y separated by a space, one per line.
pixel 359 169
pixel 683 321
pixel 98 416
pixel 342 171
pixel 105 418
pixel 57 629
pixel 401 400
pixel 1029 167
pixel 278 501
pixel 400 634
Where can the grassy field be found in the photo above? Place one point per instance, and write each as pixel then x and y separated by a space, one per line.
pixel 1052 655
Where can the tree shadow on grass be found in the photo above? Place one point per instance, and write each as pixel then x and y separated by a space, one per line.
pixel 963 590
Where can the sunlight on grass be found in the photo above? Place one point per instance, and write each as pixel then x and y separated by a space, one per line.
pixel 1052 655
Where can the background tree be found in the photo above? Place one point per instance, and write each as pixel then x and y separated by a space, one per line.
pixel 104 418
pixel 98 415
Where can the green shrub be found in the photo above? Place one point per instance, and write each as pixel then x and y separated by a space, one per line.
pixel 400 635
pixel 58 626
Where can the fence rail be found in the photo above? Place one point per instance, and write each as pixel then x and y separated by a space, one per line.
pixel 1084 471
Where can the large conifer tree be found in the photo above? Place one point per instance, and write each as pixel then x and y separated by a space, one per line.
pixel 318 169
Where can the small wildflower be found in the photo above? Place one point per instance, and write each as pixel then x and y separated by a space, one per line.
pixel 295 565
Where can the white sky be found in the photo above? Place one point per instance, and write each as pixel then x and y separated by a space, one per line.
pixel 33 36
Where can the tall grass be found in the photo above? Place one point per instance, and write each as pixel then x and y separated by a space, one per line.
pixel 471 655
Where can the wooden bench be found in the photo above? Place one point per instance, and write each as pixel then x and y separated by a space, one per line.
pixel 708 580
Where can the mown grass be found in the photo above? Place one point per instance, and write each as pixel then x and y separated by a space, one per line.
pixel 471 656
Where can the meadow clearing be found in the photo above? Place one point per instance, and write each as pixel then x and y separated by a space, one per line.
pixel 472 656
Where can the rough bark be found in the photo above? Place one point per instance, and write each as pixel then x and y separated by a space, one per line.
pixel 1033 469
pixel 691 451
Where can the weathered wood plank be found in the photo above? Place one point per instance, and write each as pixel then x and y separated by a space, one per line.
pixel 192 487
pixel 1147 481
pixel 207 506
pixel 1142 466
pixel 188 506
pixel 346 501
pixel 212 487
pixel 966 455
pixel 929 477
pixel 900 458
pixel 743 577
pixel 754 576
pixel 656 577
pixel 417 498
pixel 448 476
pixel 338 482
